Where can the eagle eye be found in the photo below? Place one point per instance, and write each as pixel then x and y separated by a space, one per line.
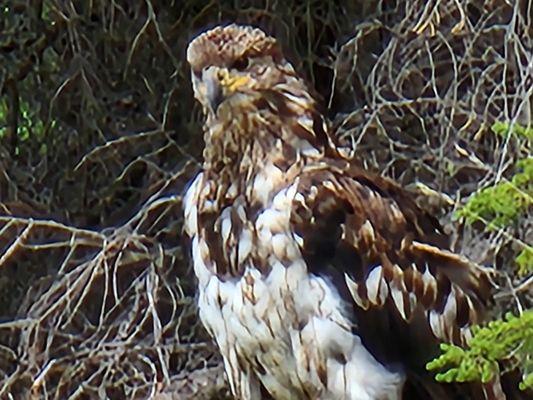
pixel 241 64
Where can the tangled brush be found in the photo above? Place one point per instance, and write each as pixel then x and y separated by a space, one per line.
pixel 99 136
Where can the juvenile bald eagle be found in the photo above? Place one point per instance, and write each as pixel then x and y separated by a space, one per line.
pixel 317 279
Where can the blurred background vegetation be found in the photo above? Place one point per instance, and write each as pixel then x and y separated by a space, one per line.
pixel 99 136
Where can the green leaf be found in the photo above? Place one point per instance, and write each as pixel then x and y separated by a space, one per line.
pixel 491 347
pixel 524 260
pixel 505 129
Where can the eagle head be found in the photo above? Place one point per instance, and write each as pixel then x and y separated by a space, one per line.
pixel 234 64
pixel 256 105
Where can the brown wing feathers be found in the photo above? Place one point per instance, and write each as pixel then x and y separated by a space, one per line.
pixel 368 231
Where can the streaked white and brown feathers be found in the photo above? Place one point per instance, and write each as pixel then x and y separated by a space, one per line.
pixel 317 279
pixel 389 252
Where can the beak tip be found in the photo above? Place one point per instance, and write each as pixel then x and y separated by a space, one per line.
pixel 213 92
pixel 214 98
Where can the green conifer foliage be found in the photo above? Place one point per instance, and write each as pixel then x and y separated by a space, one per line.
pixel 508 340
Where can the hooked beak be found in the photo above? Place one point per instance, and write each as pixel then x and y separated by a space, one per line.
pixel 213 91
pixel 218 85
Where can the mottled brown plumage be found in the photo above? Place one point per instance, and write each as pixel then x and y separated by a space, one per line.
pixel 317 279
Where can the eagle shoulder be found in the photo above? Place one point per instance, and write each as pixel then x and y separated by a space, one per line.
pixel 385 253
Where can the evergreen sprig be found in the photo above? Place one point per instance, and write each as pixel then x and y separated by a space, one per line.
pixel 502 204
pixel 505 129
pixel 508 341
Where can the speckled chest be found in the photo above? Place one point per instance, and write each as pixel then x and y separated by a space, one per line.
pixel 274 322
pixel 240 245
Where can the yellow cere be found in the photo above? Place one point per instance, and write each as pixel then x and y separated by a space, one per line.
pixel 233 83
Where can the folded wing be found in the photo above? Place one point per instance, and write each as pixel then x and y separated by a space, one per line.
pixel 390 258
